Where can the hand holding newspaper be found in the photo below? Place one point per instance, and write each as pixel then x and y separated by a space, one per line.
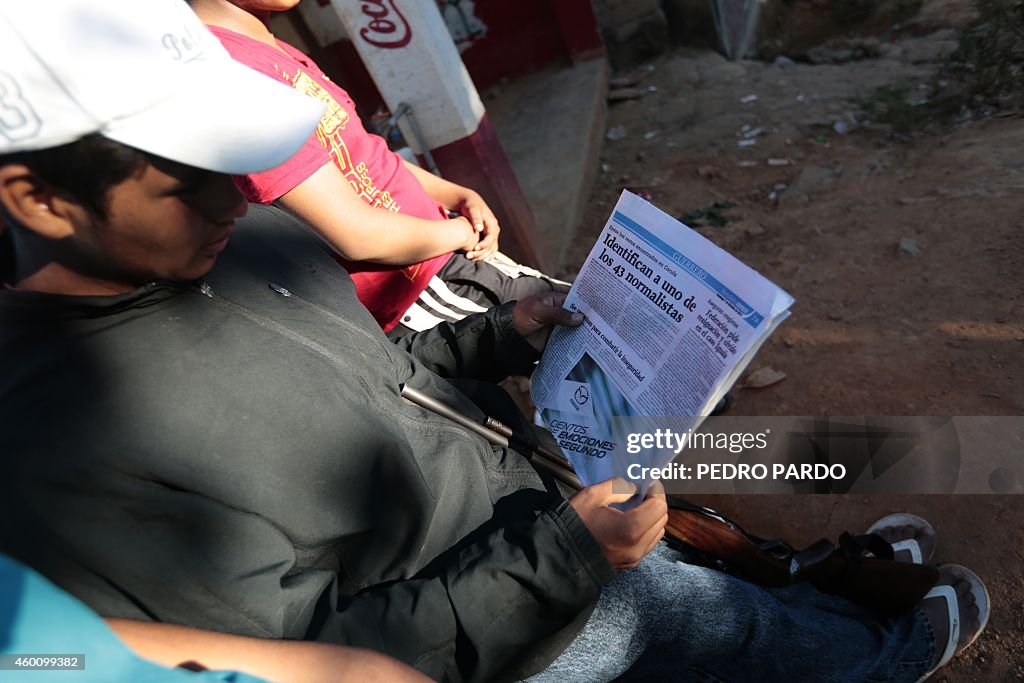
pixel 671 323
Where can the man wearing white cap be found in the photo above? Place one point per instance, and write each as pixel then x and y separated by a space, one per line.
pixel 229 453
pixel 228 449
pixel 160 85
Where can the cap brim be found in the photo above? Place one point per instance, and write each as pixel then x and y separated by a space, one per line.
pixel 226 118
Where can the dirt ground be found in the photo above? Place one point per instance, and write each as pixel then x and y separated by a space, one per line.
pixel 933 328
pixel 875 330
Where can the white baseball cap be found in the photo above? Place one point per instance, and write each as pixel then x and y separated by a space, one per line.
pixel 145 73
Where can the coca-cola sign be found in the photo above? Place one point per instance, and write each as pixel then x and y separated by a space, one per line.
pixel 387 27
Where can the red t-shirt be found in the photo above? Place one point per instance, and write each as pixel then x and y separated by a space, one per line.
pixel 374 172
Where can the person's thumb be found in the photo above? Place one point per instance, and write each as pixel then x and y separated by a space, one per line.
pixel 561 316
pixel 548 311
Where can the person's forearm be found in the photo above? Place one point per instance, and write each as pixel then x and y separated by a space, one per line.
pixel 467 202
pixel 359 232
pixel 281 661
pixel 381 236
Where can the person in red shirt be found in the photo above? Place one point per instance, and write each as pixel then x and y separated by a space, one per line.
pixel 386 219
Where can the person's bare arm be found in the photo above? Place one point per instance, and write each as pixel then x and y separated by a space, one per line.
pixel 465 201
pixel 359 232
pixel 280 661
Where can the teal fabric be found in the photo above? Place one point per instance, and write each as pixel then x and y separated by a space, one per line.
pixel 37 618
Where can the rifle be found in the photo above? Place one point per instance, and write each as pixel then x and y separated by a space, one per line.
pixel 859 568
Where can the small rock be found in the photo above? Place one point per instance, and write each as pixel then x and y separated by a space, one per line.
pixel 750 142
pixel 749 99
pixel 605 168
pixel 932 49
pixel 746 163
pixel 756 230
pixel 779 162
pixel 813 179
pixel 651 134
pixel 616 133
pixel 870 47
pixel 909 246
pixel 709 172
pixel 633 78
pixel 714 68
pixel 819 55
pixel 890 51
pixel 763 377
pixel 783 62
pixel 824 55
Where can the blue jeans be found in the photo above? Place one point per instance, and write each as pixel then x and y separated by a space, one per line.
pixel 671 621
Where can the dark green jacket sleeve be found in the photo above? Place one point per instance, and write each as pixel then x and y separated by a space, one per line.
pixel 474 616
pixel 483 346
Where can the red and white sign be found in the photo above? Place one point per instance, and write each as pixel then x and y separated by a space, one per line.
pixel 384 25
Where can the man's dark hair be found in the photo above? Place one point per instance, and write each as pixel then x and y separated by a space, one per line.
pixel 83 171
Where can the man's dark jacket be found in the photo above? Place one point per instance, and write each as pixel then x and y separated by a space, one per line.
pixel 235 456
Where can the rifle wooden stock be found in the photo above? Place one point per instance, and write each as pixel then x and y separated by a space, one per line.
pixel 727 546
pixel 886 586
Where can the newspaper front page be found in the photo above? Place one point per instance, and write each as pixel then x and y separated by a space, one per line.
pixel 671 322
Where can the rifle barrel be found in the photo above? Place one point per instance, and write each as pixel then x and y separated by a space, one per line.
pixel 544 459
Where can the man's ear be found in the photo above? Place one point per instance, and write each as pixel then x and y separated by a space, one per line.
pixel 33 204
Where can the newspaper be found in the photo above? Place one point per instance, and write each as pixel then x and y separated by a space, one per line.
pixel 671 323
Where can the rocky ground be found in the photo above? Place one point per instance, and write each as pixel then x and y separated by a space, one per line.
pixel 903 252
pixel 902 246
